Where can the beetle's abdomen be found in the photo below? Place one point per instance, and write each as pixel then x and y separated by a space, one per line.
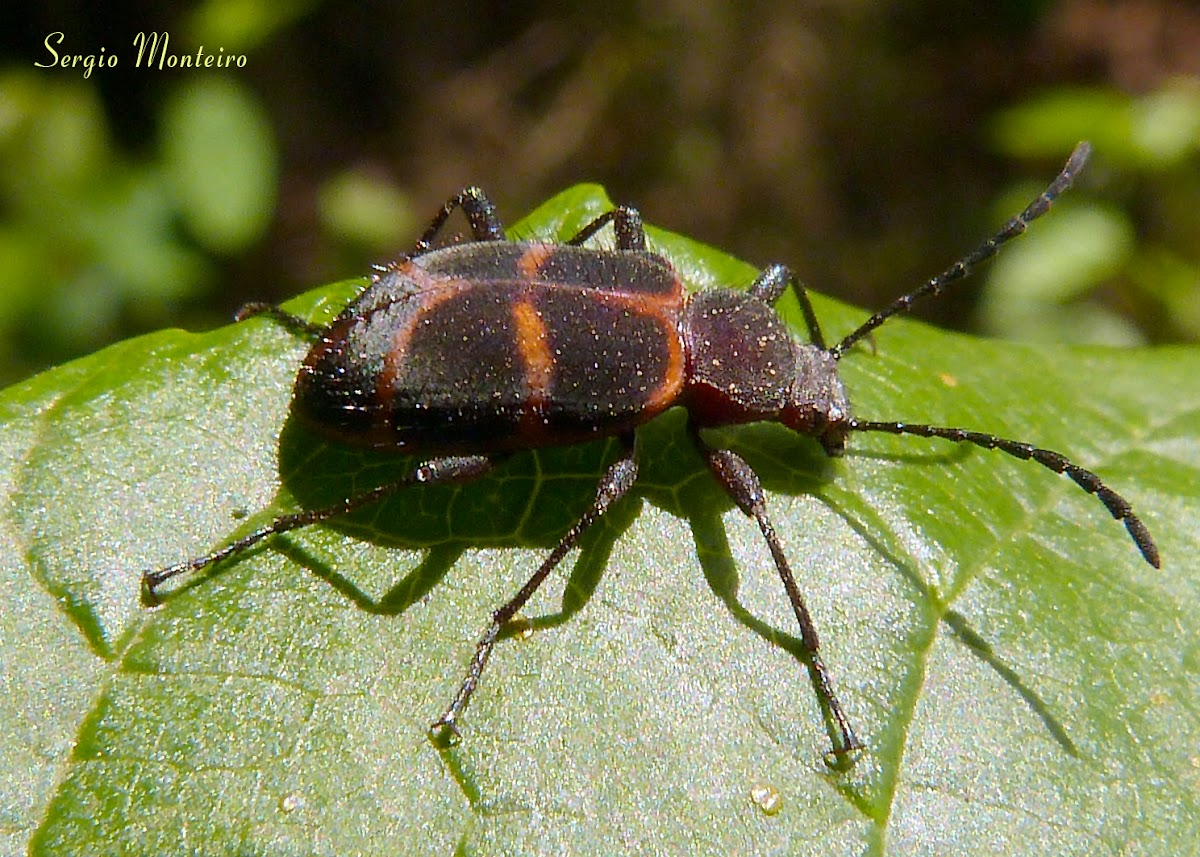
pixel 496 346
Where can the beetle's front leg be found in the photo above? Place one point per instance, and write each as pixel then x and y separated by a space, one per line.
pixel 741 484
pixel 770 285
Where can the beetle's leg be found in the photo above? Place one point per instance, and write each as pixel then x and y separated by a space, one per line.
pixel 295 322
pixel 433 472
pixel 741 484
pixel 770 285
pixel 627 223
pixel 481 214
pixel 617 481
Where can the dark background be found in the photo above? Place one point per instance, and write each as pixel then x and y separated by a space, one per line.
pixel 866 144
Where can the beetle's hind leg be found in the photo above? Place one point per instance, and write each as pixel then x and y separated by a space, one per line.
pixel 295 322
pixel 436 471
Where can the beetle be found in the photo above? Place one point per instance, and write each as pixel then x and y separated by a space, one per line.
pixel 463 353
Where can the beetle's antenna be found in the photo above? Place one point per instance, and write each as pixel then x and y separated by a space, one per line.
pixel 989 248
pixel 1117 505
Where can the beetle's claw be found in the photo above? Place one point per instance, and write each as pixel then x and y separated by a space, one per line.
pixel 444 733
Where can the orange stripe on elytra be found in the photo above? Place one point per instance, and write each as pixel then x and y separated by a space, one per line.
pixel 667 309
pixel 433 291
pixel 533 345
pixel 531 261
pixel 672 381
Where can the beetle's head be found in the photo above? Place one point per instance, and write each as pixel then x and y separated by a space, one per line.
pixel 817 404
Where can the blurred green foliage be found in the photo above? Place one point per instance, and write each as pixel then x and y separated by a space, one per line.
pixel 867 145
pixel 1051 286
pixel 96 242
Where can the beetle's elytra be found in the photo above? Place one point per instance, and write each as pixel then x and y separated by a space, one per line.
pixel 477 349
pixel 496 346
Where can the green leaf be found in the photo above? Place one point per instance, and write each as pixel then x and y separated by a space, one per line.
pixel 1022 680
